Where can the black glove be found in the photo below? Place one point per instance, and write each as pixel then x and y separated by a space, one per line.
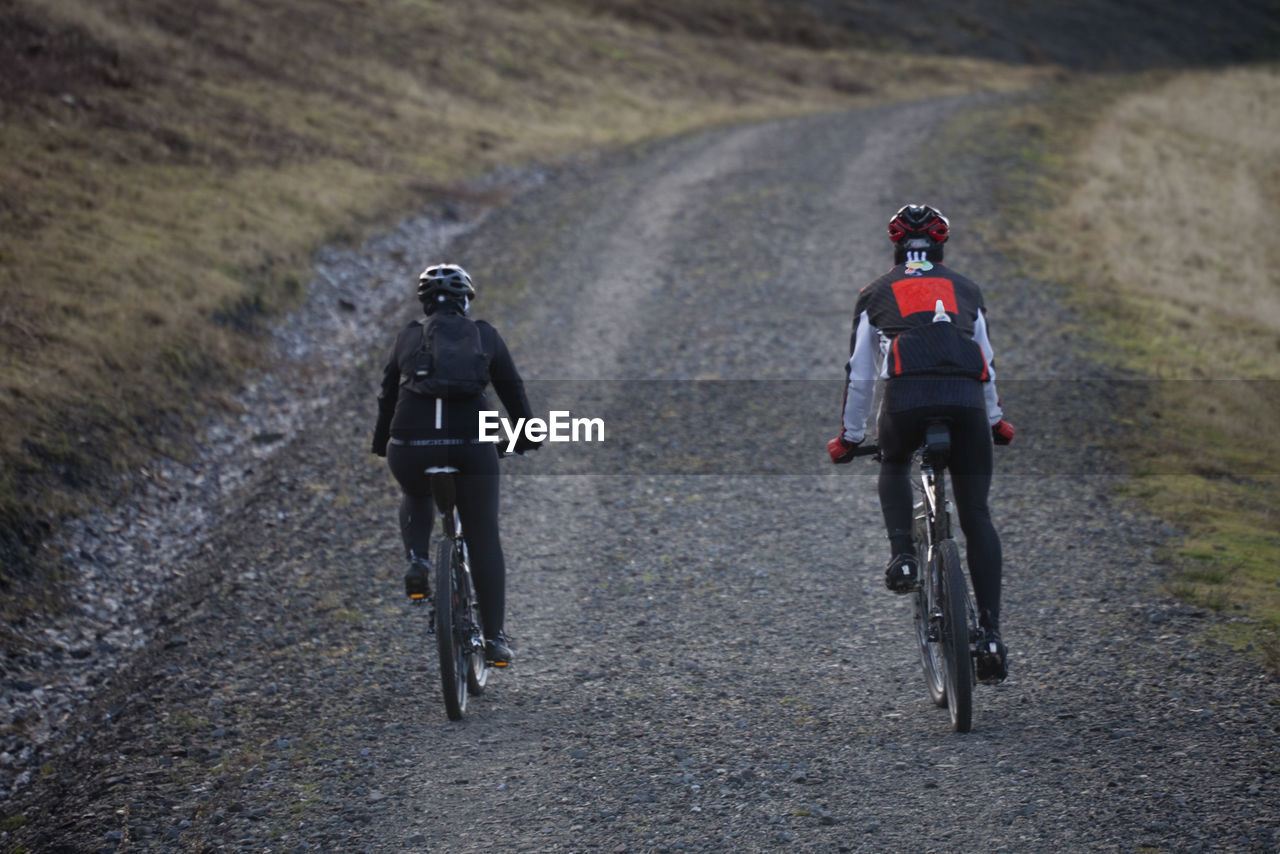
pixel 379 445
pixel 525 444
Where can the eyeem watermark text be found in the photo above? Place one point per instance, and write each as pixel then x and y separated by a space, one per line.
pixel 560 426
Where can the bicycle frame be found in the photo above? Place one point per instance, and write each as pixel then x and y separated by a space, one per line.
pixel 945 598
pixel 445 492
pixel 934 489
pixel 946 623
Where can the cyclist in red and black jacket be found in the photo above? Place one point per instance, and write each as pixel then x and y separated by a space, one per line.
pixel 931 371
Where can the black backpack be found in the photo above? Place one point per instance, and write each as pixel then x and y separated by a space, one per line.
pixel 452 363
pixel 936 349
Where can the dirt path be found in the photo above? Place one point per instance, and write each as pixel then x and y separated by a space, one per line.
pixel 706 662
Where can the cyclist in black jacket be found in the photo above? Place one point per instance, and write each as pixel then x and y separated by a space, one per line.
pixel 415 431
pixel 929 375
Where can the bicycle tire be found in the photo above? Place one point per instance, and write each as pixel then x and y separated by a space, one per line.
pixel 931 659
pixel 477 672
pixel 453 662
pixel 955 637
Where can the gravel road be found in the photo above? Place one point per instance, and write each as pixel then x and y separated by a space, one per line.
pixel 707 659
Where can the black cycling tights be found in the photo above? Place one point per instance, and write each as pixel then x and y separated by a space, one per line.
pixel 477 492
pixel 970 467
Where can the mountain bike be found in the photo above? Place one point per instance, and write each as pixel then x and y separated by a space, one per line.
pixel 458 628
pixel 946 620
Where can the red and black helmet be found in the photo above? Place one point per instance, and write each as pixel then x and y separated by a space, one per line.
pixel 914 222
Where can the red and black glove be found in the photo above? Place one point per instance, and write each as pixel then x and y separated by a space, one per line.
pixel 841 449
pixel 1002 432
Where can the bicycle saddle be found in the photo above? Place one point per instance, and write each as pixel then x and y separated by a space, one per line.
pixel 937 442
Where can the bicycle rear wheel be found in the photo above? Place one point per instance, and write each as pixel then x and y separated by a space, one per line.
pixel 931 659
pixel 451 639
pixel 955 637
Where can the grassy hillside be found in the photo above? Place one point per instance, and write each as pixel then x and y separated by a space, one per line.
pixel 1186 176
pixel 1149 201
pixel 170 167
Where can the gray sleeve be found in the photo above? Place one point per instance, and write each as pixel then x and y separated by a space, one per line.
pixel 861 371
pixel 994 412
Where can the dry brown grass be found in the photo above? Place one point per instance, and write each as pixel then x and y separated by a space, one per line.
pixel 1167 241
pixel 1179 186
pixel 169 168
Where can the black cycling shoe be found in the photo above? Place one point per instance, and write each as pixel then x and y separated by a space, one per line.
pixel 993 659
pixel 417 583
pixel 902 575
pixel 497 651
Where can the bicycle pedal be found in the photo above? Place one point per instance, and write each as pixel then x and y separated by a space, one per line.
pixel 416 585
pixel 988 667
pixel 489 662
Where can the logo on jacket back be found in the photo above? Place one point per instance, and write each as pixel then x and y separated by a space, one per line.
pixel 922 294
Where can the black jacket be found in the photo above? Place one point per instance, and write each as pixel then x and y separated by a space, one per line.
pixel 406 415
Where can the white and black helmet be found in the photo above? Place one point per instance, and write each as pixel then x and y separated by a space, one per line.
pixel 447 280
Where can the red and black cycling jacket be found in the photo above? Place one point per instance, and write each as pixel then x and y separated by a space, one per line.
pixel 936 349
pixel 894 335
pixel 900 300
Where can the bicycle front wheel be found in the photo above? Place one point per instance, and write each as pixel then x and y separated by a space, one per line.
pixel 451 639
pixel 477 672
pixel 955 637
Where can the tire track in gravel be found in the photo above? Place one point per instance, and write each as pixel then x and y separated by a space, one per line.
pixel 706 662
